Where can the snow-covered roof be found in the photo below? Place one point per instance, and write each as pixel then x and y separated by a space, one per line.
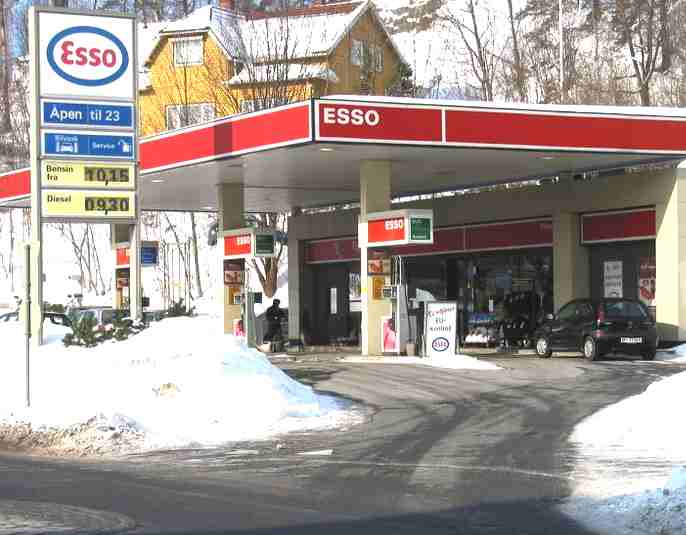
pixel 295 72
pixel 265 39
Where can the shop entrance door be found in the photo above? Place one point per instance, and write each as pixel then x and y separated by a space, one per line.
pixel 331 303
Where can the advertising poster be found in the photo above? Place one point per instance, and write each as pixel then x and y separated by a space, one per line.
pixel 613 279
pixel 441 328
pixel 646 280
pixel 389 336
pixel 238 329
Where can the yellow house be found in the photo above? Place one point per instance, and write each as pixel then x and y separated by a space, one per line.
pixel 218 62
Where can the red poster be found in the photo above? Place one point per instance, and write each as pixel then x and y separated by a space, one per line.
pixel 240 244
pixel 386 230
pixel 122 256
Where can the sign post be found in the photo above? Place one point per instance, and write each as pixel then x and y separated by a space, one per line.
pixel 440 328
pixel 83 128
pixel 27 318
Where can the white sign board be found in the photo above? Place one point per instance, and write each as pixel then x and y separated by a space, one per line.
pixel 613 279
pixel 86 56
pixel 440 331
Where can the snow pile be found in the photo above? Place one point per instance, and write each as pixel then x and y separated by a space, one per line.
pixel 627 448
pixel 450 362
pixel 676 354
pixel 180 382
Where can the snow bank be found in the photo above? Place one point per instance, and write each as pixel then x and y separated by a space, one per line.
pixel 181 382
pixel 626 453
pixel 676 354
pixel 454 362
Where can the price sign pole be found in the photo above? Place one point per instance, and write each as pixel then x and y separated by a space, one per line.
pixel 27 318
pixel 84 146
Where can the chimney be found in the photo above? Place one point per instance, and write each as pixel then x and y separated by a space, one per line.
pixel 228 4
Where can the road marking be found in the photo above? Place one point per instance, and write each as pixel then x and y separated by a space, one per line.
pixel 322 453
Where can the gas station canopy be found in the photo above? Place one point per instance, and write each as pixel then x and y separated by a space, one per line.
pixel 309 153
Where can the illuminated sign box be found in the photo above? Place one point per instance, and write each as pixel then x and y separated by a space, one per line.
pixel 88 205
pixel 61 174
pixel 399 227
pixel 249 243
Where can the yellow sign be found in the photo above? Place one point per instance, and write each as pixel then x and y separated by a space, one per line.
pixel 58 174
pixel 88 204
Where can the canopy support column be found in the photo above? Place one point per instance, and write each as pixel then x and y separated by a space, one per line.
pixel 571 268
pixel 375 196
pixel 230 211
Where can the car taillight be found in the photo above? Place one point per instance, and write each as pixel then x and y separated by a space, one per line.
pixel 601 315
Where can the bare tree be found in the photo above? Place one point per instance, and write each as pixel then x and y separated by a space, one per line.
pixel 478 35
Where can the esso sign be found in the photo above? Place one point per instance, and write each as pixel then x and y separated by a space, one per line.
pixel 440 344
pixel 243 240
pixel 394 224
pixel 351 116
pixel 87 56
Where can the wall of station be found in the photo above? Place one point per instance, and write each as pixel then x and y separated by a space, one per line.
pixel 586 225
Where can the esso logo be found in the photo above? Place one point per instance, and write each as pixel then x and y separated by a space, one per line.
pixel 243 240
pixel 355 117
pixel 394 224
pixel 440 344
pixel 88 56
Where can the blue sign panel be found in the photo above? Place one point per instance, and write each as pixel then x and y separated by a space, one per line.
pixel 87 114
pixel 149 255
pixel 95 145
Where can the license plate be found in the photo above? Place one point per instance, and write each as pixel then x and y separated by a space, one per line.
pixel 638 340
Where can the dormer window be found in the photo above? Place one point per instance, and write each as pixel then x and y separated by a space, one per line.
pixel 188 51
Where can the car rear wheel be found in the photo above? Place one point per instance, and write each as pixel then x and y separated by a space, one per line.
pixel 649 354
pixel 543 347
pixel 590 348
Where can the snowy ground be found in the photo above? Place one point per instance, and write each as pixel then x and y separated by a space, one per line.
pixel 453 362
pixel 676 354
pixel 181 382
pixel 631 472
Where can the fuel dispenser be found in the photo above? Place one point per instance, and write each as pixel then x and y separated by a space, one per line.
pixel 398 327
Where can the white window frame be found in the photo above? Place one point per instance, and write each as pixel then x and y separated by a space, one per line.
pixel 357 52
pixel 248 105
pixel 200 112
pixel 186 41
pixel 378 57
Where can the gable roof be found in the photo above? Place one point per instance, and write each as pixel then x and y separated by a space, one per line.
pixel 296 36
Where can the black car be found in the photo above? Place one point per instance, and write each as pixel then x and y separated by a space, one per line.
pixel 597 328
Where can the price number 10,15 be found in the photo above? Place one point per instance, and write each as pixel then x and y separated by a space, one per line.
pixel 106 204
pixel 107 174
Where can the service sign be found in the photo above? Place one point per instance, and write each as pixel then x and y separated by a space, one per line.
pixel 86 56
pixel 399 227
pixel 79 144
pixel 92 175
pixel 88 204
pixel 441 328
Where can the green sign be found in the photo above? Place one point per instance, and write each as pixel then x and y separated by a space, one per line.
pixel 264 245
pixel 420 229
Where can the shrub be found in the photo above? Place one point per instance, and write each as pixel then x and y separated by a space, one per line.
pixel 178 308
pixel 83 332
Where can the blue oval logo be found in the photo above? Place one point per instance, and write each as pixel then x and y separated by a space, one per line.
pixel 96 57
pixel 440 344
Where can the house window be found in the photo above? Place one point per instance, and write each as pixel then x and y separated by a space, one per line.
pixel 188 51
pixel 248 105
pixel 357 52
pixel 186 115
pixel 378 57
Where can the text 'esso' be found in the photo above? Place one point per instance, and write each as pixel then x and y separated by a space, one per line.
pixel 87 56
pixel 354 116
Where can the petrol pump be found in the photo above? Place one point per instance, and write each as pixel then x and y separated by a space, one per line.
pixel 241 246
pixel 382 232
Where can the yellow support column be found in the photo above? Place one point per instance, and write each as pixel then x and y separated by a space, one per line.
pixel 375 196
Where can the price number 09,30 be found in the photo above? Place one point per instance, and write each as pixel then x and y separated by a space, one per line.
pixel 106 204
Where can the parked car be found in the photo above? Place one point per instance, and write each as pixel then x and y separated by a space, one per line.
pixel 103 315
pixel 53 317
pixel 596 328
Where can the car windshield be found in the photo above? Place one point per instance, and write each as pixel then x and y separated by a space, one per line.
pixel 625 309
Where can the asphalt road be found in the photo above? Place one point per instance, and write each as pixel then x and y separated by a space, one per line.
pixel 443 451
